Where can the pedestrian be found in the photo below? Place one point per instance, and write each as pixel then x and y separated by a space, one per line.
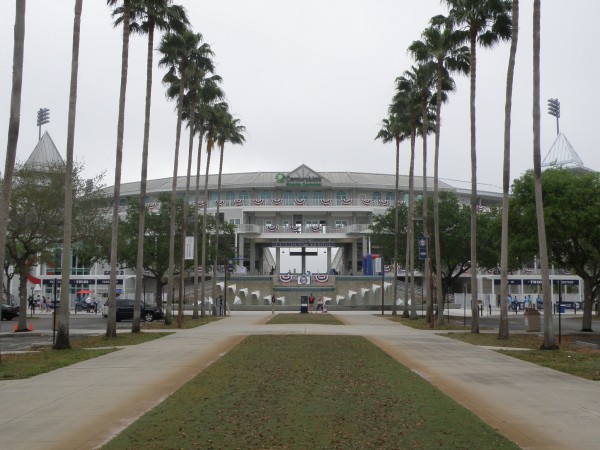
pixel 95 305
pixel 220 303
pixel 498 301
pixel 273 301
pixel 88 304
pixel 320 304
pixel 311 303
pixel 32 305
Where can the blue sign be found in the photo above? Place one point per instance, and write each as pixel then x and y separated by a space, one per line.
pixel 422 244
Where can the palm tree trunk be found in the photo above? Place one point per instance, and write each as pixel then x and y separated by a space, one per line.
pixel 427 277
pixel 14 123
pixel 217 227
pixel 62 332
pixel 185 205
pixel 171 271
pixel 196 218
pixel 395 299
pixel 111 324
pixel 549 341
pixel 436 197
pixel 503 331
pixel 411 222
pixel 204 224
pixel 139 270
pixel 474 296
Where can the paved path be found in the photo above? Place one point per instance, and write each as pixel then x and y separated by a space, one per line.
pixel 84 405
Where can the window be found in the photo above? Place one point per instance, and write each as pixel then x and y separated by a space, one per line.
pixel 390 197
pixel 288 198
pixel 265 195
pixel 123 202
pixel 229 198
pixel 341 195
pixel 244 197
pixel 234 221
pixel 376 196
pixel 303 195
pixel 341 223
pixel 213 198
pixel 318 196
pixel 285 223
pixel 312 223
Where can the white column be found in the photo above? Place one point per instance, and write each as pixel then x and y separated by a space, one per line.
pixel 277 259
pixel 252 257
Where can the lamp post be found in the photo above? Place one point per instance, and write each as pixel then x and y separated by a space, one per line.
pixel 382 283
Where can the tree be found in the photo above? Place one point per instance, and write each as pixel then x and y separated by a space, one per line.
pixel 440 43
pixel 14 122
pixel 503 332
pixel 549 340
pixel 228 130
pixel 36 224
pixel 394 129
pixel 147 16
pixel 179 51
pixel 62 330
pixel 111 323
pixel 487 22
pixel 574 244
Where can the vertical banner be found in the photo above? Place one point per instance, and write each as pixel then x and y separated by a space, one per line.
pixel 189 247
pixel 422 243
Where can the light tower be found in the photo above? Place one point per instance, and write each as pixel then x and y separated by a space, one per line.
pixel 43 117
pixel 554 110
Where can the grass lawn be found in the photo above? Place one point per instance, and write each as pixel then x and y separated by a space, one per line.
pixel 308 392
pixel 25 365
pixel 297 318
pixel 572 359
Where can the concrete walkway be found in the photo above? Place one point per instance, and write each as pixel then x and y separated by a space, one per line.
pixel 82 406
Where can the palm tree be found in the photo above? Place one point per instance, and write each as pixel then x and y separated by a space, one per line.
pixel 549 340
pixel 440 44
pixel 394 129
pixel 14 123
pixel 111 324
pixel 146 17
pixel 179 50
pixel 62 331
pixel 487 22
pixel 228 130
pixel 209 94
pixel 503 332
pixel 407 101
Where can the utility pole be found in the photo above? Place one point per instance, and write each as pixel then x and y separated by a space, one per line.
pixel 554 110
pixel 43 117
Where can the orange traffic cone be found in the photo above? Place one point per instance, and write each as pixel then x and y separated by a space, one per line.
pixel 16 327
pixel 30 326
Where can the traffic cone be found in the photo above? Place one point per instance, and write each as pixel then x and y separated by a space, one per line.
pixel 16 327
pixel 30 326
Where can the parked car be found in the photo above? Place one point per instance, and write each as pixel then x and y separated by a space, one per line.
pixel 9 312
pixel 125 310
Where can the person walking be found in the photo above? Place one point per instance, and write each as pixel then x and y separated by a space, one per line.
pixel 320 304
pixel 311 303
pixel 273 301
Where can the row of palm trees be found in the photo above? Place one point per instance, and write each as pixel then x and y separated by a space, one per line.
pixel 449 46
pixel 190 81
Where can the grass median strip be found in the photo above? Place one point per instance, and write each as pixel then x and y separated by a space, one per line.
pixel 297 318
pixel 298 392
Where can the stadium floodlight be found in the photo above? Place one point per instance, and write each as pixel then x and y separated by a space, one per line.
pixel 554 110
pixel 43 117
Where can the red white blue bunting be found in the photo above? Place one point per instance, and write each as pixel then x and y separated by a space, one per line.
pixel 286 277
pixel 272 228
pixel 321 278
pixel 238 202
pixel 300 201
pixel 325 201
pixel 258 201
pixel 276 201
pixel 366 201
pixel 346 201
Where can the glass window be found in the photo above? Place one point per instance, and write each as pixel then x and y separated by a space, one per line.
pixel 390 197
pixel 303 195
pixel 234 221
pixel 318 196
pixel 376 196
pixel 244 196
pixel 288 198
pixel 229 198
pixel 339 196
pixel 265 195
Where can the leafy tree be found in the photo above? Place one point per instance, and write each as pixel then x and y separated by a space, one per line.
pixel 36 221
pixel 62 334
pixel 571 205
pixel 487 22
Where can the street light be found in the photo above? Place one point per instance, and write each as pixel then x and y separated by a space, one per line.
pixel 43 117
pixel 554 110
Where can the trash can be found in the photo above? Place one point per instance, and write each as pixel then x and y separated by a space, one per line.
pixel 562 309
pixel 304 304
pixel 532 319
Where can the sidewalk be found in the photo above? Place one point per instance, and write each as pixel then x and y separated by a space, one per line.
pixel 82 406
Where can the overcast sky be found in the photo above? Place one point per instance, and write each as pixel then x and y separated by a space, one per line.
pixel 311 80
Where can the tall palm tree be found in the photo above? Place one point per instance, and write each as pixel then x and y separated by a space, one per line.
pixel 62 331
pixel 179 50
pixel 503 332
pixel 209 94
pixel 394 129
pixel 111 324
pixel 228 130
pixel 440 44
pixel 14 123
pixel 146 17
pixel 549 340
pixel 407 101
pixel 487 22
